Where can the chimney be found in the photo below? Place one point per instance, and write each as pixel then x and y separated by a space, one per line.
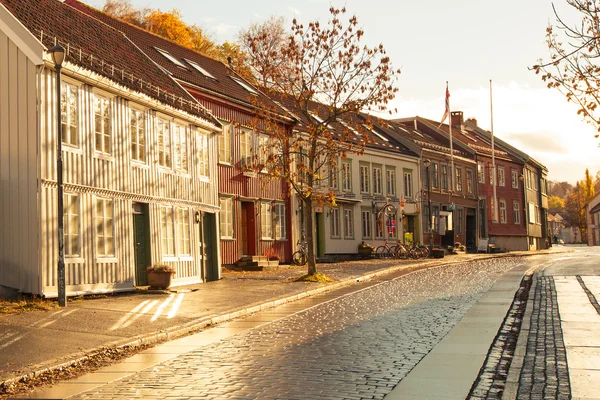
pixel 472 121
pixel 456 118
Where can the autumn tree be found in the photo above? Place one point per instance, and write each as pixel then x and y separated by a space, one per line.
pixel 577 201
pixel 323 75
pixel 555 204
pixel 573 67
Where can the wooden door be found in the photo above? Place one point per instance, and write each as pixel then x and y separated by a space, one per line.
pixel 141 240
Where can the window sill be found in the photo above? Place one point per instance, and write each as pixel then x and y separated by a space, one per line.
pixel 74 260
pixel 204 179
pixel 227 239
pixel 104 156
pixel 139 164
pixel 106 260
pixel 72 149
pixel 225 164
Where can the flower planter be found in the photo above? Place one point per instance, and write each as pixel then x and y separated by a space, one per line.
pixel 159 280
pixel 437 253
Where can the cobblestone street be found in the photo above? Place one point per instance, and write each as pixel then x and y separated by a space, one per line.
pixel 357 347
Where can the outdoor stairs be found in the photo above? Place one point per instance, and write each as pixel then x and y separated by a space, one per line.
pixel 256 263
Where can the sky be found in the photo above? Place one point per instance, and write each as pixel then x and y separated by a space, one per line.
pixel 466 43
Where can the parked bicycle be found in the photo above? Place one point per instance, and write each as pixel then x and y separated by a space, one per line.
pixel 300 257
pixel 386 251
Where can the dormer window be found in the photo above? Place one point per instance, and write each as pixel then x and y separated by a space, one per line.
pixel 169 57
pixel 244 85
pixel 198 68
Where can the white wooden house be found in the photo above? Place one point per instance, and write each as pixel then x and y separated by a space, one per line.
pixel 139 157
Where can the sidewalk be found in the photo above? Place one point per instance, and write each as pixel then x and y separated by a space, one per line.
pixel 38 341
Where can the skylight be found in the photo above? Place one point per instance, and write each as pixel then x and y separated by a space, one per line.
pixel 379 135
pixel 316 116
pixel 198 68
pixel 349 127
pixel 169 57
pixel 244 85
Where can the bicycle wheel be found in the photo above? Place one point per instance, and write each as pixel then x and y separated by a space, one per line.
pixel 425 251
pixel 381 252
pixel 394 250
pixel 299 258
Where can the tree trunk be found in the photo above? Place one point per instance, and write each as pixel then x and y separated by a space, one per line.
pixel 310 242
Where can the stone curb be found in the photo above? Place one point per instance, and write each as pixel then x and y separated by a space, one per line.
pixel 194 326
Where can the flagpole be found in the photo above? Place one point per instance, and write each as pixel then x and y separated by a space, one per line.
pixel 452 172
pixel 493 172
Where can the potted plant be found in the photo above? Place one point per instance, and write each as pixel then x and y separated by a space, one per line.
pixel 272 257
pixel 365 249
pixel 160 276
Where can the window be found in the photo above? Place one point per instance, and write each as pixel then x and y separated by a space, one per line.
pixel 169 57
pixel 335 222
pixel 436 218
pixel 460 221
pixel 501 177
pixel 244 85
pixel 390 180
pixel 392 226
pixel 377 181
pixel 366 224
pixel 202 154
pixel 531 209
pixel 481 172
pixel 364 178
pixel 333 177
pixel 379 226
pixel 516 212
pixel 198 68
pixel 535 181
pixel 226 217
pixel 264 149
pixel 72 228
pixel 502 206
pixel 180 147
pixel 183 232
pixel 514 178
pixel 492 172
pixel 266 221
pixel 458 183
pixel 69 108
pixel 137 133
pixel 346 177
pixel 246 147
pixel 167 231
pixel 279 222
pixel 164 143
pixel 469 181
pixel 435 176
pixel 102 125
pixel 538 219
pixel 408 184
pixel 225 144
pixel 444 168
pixel 104 228
pixel 348 223
pixel 544 186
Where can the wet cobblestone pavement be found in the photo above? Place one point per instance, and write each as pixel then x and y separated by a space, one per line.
pixel 355 347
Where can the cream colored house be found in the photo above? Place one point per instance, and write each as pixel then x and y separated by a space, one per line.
pixel 139 160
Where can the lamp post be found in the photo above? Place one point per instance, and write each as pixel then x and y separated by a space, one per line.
pixel 58 55
pixel 427 164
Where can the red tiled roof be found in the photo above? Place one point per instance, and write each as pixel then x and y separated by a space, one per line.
pixel 222 83
pixel 99 48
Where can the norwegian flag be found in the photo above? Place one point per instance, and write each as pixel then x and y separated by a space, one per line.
pixel 447 111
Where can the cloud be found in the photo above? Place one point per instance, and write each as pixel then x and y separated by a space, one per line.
pixel 295 11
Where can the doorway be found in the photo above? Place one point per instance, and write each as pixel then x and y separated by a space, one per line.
pixel 320 233
pixel 471 232
pixel 208 247
pixel 247 229
pixel 141 242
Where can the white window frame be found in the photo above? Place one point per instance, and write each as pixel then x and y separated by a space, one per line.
pixel 167 232
pixel 390 181
pixel 246 153
pixel 138 135
pixel 408 184
pixel 501 176
pixel 481 172
pixel 108 229
pixel 183 232
pixel 245 85
pixel 335 222
pixel 171 58
pixel 266 220
pixel 226 221
pixel 180 142
pixel 225 140
pixel 444 176
pixel 348 223
pixel 470 187
pixel 203 154
pixel 72 225
pixel 458 183
pixel 377 186
pixel 502 211
pixel 163 142
pixel 435 175
pixel 279 221
pixel 70 113
pixel 515 178
pixel 516 212
pixel 103 139
pixel 366 224
pixel 364 179
pixel 346 176
pixel 198 68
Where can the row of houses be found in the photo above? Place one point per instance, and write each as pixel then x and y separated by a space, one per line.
pixel 156 140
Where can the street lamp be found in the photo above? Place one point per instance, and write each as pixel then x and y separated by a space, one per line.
pixel 427 164
pixel 58 56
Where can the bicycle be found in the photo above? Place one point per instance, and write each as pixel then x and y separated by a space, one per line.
pixel 385 250
pixel 300 256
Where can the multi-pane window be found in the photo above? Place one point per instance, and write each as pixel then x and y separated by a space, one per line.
pixel 392 226
pixel 167 231
pixel 163 131
pixel 515 178
pixel 333 177
pixel 366 224
pixel 390 180
pixel 346 177
pixel 335 222
pixel 516 212
pixel 279 221
pixel 72 229
pixel 226 217
pixel 458 183
pixel 379 224
pixel 502 206
pixel 264 149
pixel 104 228
pixel 69 108
pixel 408 189
pixel 246 147
pixel 225 144
pixel 102 125
pixel 202 154
pixel 183 232
pixel 266 221
pixel 180 147
pixel 535 182
pixel 435 223
pixel 137 134
pixel 444 182
pixel 435 176
pixel 501 177
pixel 348 223
pixel 377 189
pixel 538 218
pixel 481 172
pixel 469 181
pixel 460 220
pixel 364 179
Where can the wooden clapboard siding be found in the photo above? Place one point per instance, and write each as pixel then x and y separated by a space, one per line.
pixel 18 168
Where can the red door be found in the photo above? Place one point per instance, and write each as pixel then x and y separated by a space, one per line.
pixel 248 229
